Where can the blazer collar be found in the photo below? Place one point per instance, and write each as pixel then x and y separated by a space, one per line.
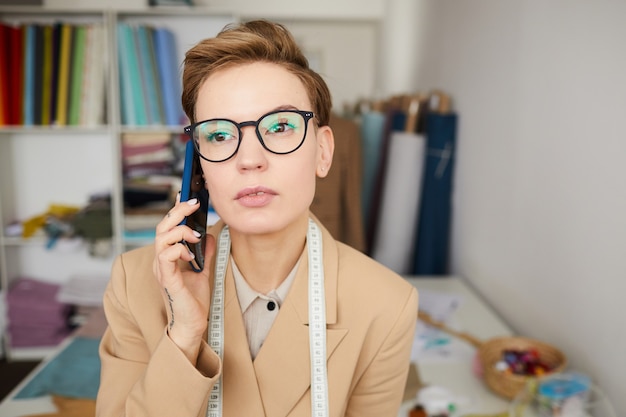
pixel 299 290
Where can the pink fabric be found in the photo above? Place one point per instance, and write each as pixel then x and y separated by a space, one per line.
pixel 35 317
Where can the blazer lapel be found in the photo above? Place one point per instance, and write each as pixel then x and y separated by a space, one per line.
pixel 282 365
pixel 240 392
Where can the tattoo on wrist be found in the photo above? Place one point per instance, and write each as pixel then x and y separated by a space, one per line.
pixel 170 300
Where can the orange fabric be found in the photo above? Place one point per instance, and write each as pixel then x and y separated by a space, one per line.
pixel 71 407
pixel 337 201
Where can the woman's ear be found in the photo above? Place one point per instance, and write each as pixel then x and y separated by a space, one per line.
pixel 326 149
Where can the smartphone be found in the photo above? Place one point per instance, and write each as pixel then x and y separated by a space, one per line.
pixel 193 187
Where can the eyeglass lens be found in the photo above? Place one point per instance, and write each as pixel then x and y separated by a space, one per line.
pixel 280 132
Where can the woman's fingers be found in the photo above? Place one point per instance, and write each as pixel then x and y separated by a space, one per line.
pixel 177 214
pixel 169 235
pixel 167 231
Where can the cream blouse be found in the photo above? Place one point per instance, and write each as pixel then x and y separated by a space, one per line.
pixel 260 310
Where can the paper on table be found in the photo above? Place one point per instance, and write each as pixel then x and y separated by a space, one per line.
pixel 438 304
pixel 433 345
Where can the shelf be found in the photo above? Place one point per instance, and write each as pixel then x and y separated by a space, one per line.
pixel 47 130
pixel 35 14
pixel 176 11
pixel 31 353
pixel 39 241
pixel 130 242
pixel 152 129
pixel 20 241
pixel 51 12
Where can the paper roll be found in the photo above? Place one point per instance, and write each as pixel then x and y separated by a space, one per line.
pixel 396 228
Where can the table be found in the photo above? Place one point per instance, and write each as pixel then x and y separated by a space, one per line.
pixel 473 316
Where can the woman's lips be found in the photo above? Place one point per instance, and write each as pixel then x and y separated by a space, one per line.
pixel 255 197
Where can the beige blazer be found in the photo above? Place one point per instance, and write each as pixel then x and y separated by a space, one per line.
pixel 370 312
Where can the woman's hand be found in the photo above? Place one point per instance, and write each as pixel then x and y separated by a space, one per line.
pixel 187 294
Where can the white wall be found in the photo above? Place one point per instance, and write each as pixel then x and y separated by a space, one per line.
pixel 539 221
pixel 339 38
pixel 344 53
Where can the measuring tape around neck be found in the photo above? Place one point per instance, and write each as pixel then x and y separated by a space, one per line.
pixel 317 321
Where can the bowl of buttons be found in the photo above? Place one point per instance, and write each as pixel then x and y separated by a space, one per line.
pixel 509 363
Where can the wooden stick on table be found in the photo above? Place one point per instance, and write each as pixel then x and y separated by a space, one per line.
pixel 426 318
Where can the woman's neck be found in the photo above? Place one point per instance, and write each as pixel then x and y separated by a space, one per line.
pixel 266 260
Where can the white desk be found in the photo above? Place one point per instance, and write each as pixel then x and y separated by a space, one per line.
pixel 473 316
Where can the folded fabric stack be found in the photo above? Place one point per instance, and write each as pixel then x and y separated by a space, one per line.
pixel 147 153
pixel 35 317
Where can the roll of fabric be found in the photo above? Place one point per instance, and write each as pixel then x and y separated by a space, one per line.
pixel 337 201
pixel 395 120
pixel 393 245
pixel 372 131
pixel 433 228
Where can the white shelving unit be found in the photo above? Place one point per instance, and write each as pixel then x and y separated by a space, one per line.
pixel 45 165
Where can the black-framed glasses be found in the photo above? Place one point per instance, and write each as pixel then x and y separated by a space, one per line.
pixel 280 132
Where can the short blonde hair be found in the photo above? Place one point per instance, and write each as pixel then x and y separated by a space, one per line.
pixel 253 41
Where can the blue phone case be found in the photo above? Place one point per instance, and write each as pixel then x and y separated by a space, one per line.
pixel 188 168
pixel 193 187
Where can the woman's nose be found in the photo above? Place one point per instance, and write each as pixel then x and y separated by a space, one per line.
pixel 251 154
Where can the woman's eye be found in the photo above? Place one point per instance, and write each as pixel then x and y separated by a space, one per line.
pixel 219 137
pixel 280 127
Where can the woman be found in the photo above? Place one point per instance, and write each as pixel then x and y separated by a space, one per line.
pixel 249 335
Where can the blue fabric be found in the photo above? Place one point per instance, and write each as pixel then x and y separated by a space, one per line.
pixel 433 234
pixel 74 372
pixel 372 132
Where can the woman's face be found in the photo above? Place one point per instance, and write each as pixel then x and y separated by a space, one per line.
pixel 256 191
